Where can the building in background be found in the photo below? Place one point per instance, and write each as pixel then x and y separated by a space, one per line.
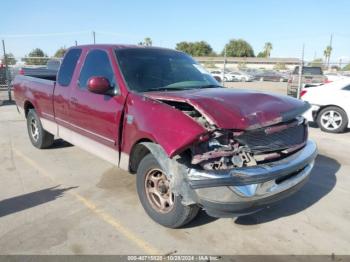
pixel 249 62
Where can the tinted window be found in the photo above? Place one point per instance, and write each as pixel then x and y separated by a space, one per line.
pixel 96 64
pixel 68 65
pixel 309 71
pixel 347 88
pixel 147 69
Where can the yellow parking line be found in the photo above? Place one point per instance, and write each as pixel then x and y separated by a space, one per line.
pixel 93 208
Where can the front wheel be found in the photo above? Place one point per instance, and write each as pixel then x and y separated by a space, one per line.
pixel 39 137
pixel 332 119
pixel 159 202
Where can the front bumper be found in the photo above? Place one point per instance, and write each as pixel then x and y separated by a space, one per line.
pixel 239 191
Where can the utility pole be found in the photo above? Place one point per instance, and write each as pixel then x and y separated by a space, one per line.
pixel 94 36
pixel 330 44
pixel 224 69
pixel 7 72
pixel 300 72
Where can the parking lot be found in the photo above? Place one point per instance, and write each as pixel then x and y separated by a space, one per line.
pixel 63 200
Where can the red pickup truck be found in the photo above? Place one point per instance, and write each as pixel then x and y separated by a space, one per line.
pixel 157 113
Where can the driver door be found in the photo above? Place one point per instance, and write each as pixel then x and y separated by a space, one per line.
pixel 96 117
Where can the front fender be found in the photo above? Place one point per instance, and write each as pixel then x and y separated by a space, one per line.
pixel 158 122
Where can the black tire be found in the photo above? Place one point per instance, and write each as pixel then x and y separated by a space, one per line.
pixel 338 126
pixel 39 137
pixel 178 215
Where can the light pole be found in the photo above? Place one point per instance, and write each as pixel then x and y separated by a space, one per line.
pixel 7 72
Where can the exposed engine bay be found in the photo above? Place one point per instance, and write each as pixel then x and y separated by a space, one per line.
pixel 226 149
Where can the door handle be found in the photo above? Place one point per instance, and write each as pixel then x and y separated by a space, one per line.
pixel 74 100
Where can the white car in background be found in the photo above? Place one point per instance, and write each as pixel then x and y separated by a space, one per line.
pixel 217 74
pixel 241 76
pixel 330 105
pixel 331 77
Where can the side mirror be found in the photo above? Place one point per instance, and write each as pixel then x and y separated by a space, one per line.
pixel 98 84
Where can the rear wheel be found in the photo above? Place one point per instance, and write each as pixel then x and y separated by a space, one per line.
pixel 39 137
pixel 159 202
pixel 332 119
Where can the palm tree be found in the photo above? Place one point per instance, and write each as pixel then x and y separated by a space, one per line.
pixel 148 41
pixel 267 49
pixel 327 54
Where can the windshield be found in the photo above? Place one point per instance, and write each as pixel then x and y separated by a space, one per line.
pixel 151 69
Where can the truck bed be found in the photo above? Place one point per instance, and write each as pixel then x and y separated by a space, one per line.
pixel 39 91
pixel 42 73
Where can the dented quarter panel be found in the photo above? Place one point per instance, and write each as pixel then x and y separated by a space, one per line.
pixel 237 109
pixel 150 119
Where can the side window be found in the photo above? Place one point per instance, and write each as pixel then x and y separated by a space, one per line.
pixel 96 64
pixel 347 88
pixel 68 65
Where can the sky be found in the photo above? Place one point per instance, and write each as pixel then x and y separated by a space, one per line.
pixel 286 24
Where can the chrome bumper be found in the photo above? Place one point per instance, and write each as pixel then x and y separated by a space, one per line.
pixel 253 185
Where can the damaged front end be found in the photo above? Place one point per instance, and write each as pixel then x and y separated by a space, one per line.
pixel 231 172
pixel 226 149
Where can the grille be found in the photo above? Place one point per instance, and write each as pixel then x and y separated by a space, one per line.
pixel 259 141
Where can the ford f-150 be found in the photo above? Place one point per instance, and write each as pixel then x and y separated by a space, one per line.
pixel 157 113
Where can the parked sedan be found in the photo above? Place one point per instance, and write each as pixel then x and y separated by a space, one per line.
pixel 270 76
pixel 241 76
pixel 330 107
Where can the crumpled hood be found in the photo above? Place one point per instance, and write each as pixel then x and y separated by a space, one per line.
pixel 237 109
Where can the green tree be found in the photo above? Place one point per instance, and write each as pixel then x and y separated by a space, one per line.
pixel 11 60
pixel 146 42
pixel 60 52
pixel 36 57
pixel 267 49
pixel 200 48
pixel 346 68
pixel 238 48
pixel 316 62
pixel 327 54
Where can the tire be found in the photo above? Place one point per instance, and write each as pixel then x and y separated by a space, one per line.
pixel 39 137
pixel 332 119
pixel 175 214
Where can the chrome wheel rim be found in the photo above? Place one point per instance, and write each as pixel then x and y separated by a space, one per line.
pixel 159 195
pixel 34 129
pixel 331 120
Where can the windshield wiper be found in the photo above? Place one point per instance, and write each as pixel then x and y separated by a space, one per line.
pixel 167 88
pixel 210 86
pixel 164 88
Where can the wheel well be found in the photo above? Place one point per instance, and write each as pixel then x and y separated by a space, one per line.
pixel 27 105
pixel 138 152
